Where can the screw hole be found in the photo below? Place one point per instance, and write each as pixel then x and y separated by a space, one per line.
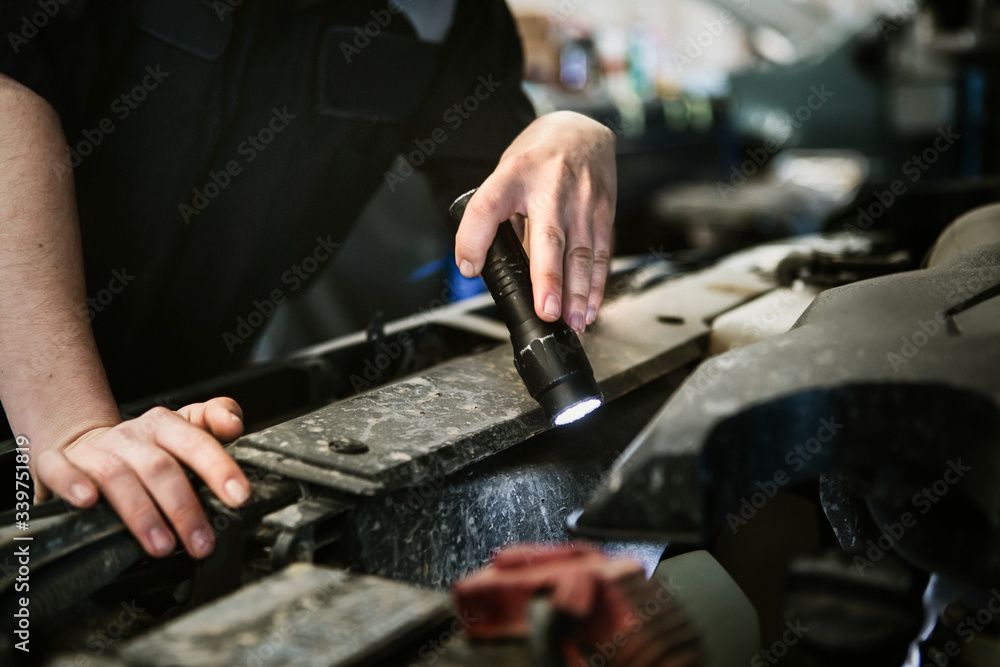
pixel 342 445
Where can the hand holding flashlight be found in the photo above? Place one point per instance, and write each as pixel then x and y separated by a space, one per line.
pixel 558 179
pixel 548 355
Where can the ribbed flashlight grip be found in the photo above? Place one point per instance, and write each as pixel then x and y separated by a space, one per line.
pixel 506 271
pixel 508 278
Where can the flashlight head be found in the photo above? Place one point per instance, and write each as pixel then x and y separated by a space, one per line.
pixel 577 411
pixel 554 367
pixel 548 355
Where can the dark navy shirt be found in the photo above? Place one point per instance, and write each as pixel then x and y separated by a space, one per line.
pixel 215 145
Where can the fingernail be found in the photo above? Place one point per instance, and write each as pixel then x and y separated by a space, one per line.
pixel 467 269
pixel 591 314
pixel 162 544
pixel 81 492
pixel 576 322
pixel 235 417
pixel 237 492
pixel 552 305
pixel 202 540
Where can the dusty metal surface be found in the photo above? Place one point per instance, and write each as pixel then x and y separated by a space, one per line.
pixel 304 616
pixel 436 532
pixel 465 410
pixel 421 479
pixel 892 379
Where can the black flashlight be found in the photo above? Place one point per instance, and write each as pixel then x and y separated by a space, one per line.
pixel 548 355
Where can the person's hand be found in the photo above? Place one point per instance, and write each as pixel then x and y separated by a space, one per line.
pixel 136 465
pixel 558 180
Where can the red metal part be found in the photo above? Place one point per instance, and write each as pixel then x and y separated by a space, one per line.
pixel 616 613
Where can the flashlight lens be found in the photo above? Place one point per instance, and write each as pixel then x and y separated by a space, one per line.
pixel 578 411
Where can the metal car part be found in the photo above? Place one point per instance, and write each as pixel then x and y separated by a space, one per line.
pixel 354 460
pixel 284 619
pixel 891 379
pixel 467 409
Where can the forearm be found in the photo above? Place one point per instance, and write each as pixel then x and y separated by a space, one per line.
pixel 52 382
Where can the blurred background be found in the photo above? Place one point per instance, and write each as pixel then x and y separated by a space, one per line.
pixel 738 121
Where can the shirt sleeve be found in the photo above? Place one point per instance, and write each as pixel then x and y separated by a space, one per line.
pixel 55 52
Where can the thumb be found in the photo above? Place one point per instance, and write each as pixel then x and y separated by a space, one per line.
pixel 496 201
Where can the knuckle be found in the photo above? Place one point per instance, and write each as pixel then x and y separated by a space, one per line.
pixel 127 439
pixel 186 514
pixel 604 209
pixel 581 256
pixel 551 237
pixel 601 259
pixel 159 464
pixel 483 204
pixel 157 414
pixel 597 285
pixel 553 278
pixel 106 470
pixel 124 431
pixel 519 163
